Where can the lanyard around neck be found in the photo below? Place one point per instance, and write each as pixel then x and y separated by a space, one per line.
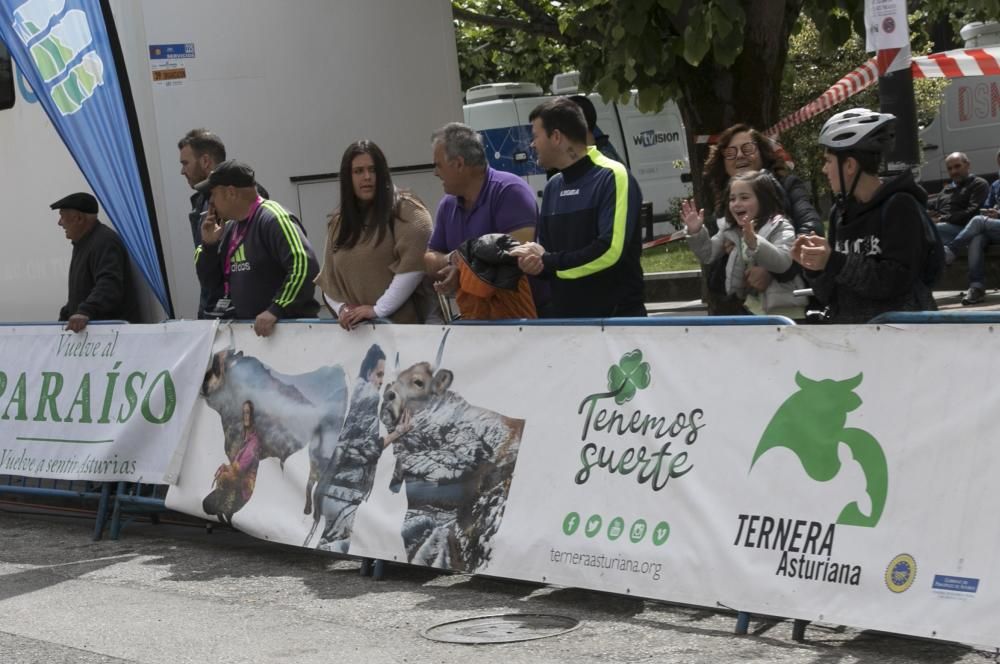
pixel 235 240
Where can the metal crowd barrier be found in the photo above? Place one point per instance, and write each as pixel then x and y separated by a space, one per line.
pixel 665 321
pixel 136 499
pixel 937 317
pixel 76 490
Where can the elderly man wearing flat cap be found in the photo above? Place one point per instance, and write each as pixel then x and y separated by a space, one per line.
pixel 100 285
pixel 261 258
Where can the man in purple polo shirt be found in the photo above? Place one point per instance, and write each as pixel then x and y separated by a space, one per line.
pixel 478 200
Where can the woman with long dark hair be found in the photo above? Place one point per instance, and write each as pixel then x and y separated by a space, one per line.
pixel 374 260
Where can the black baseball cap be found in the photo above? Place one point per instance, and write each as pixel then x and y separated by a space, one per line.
pixel 230 173
pixel 80 201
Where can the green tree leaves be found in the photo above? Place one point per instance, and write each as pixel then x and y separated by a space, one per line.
pixel 724 61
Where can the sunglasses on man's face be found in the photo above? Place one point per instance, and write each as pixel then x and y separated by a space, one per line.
pixel 747 149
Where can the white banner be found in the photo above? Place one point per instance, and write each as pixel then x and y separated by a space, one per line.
pixel 837 474
pixel 886 25
pixel 106 404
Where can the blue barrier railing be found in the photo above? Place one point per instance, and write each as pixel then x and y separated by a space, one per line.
pixel 75 490
pixel 135 499
pixel 937 318
pixel 672 321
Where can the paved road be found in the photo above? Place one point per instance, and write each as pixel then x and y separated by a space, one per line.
pixel 173 594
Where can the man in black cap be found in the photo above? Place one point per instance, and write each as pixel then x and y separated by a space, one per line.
pixel 200 152
pixel 99 277
pixel 261 259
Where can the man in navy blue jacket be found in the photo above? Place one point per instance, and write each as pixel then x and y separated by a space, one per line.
pixel 589 241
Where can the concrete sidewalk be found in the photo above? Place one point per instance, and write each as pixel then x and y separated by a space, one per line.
pixel 170 594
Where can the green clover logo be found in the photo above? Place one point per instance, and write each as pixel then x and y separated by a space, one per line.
pixel 629 375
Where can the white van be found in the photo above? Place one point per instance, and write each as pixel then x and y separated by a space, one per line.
pixel 653 146
pixel 287 86
pixel 968 120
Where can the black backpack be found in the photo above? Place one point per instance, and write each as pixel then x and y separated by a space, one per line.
pixel 934 262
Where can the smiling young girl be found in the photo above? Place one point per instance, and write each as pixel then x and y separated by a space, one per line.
pixel 756 233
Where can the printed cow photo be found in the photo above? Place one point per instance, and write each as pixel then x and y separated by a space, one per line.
pixel 456 461
pixel 266 415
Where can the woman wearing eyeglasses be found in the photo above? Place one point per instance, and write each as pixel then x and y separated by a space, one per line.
pixel 373 266
pixel 741 149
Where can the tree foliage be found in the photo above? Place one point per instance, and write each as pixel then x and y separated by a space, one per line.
pixel 723 61
pixel 809 71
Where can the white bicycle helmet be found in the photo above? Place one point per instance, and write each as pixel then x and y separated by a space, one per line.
pixel 859 130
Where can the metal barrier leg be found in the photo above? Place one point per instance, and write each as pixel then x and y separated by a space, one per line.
pixel 366 567
pixel 379 571
pixel 799 630
pixel 116 513
pixel 102 511
pixel 742 622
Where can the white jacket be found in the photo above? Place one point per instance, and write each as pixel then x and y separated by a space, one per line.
pixel 773 253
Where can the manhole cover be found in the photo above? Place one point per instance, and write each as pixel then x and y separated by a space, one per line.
pixel 501 629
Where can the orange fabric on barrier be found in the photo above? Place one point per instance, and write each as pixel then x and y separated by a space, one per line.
pixel 478 300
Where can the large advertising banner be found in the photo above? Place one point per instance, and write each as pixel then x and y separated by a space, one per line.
pixel 63 48
pixel 835 474
pixel 110 403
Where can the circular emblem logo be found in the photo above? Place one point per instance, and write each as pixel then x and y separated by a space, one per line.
pixel 900 573
pixel 888 25
pixel 638 531
pixel 593 525
pixel 616 528
pixel 571 523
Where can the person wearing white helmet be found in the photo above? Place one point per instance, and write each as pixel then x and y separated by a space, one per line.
pixel 880 239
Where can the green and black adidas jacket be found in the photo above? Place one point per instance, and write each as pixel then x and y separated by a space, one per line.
pixel 272 269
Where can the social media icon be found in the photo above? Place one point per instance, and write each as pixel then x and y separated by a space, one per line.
pixel 593 526
pixel 638 531
pixel 616 528
pixel 661 533
pixel 571 523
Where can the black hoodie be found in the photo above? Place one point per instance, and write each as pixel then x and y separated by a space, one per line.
pixel 878 255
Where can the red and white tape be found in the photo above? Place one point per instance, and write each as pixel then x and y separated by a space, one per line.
pixel 948 64
pixel 959 63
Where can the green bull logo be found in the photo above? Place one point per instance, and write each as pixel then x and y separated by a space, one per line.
pixel 811 423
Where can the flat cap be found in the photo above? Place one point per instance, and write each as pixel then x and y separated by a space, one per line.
pixel 80 201
pixel 230 173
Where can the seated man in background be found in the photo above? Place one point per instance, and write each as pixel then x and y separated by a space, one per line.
pixel 100 279
pixel 960 199
pixel 982 230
